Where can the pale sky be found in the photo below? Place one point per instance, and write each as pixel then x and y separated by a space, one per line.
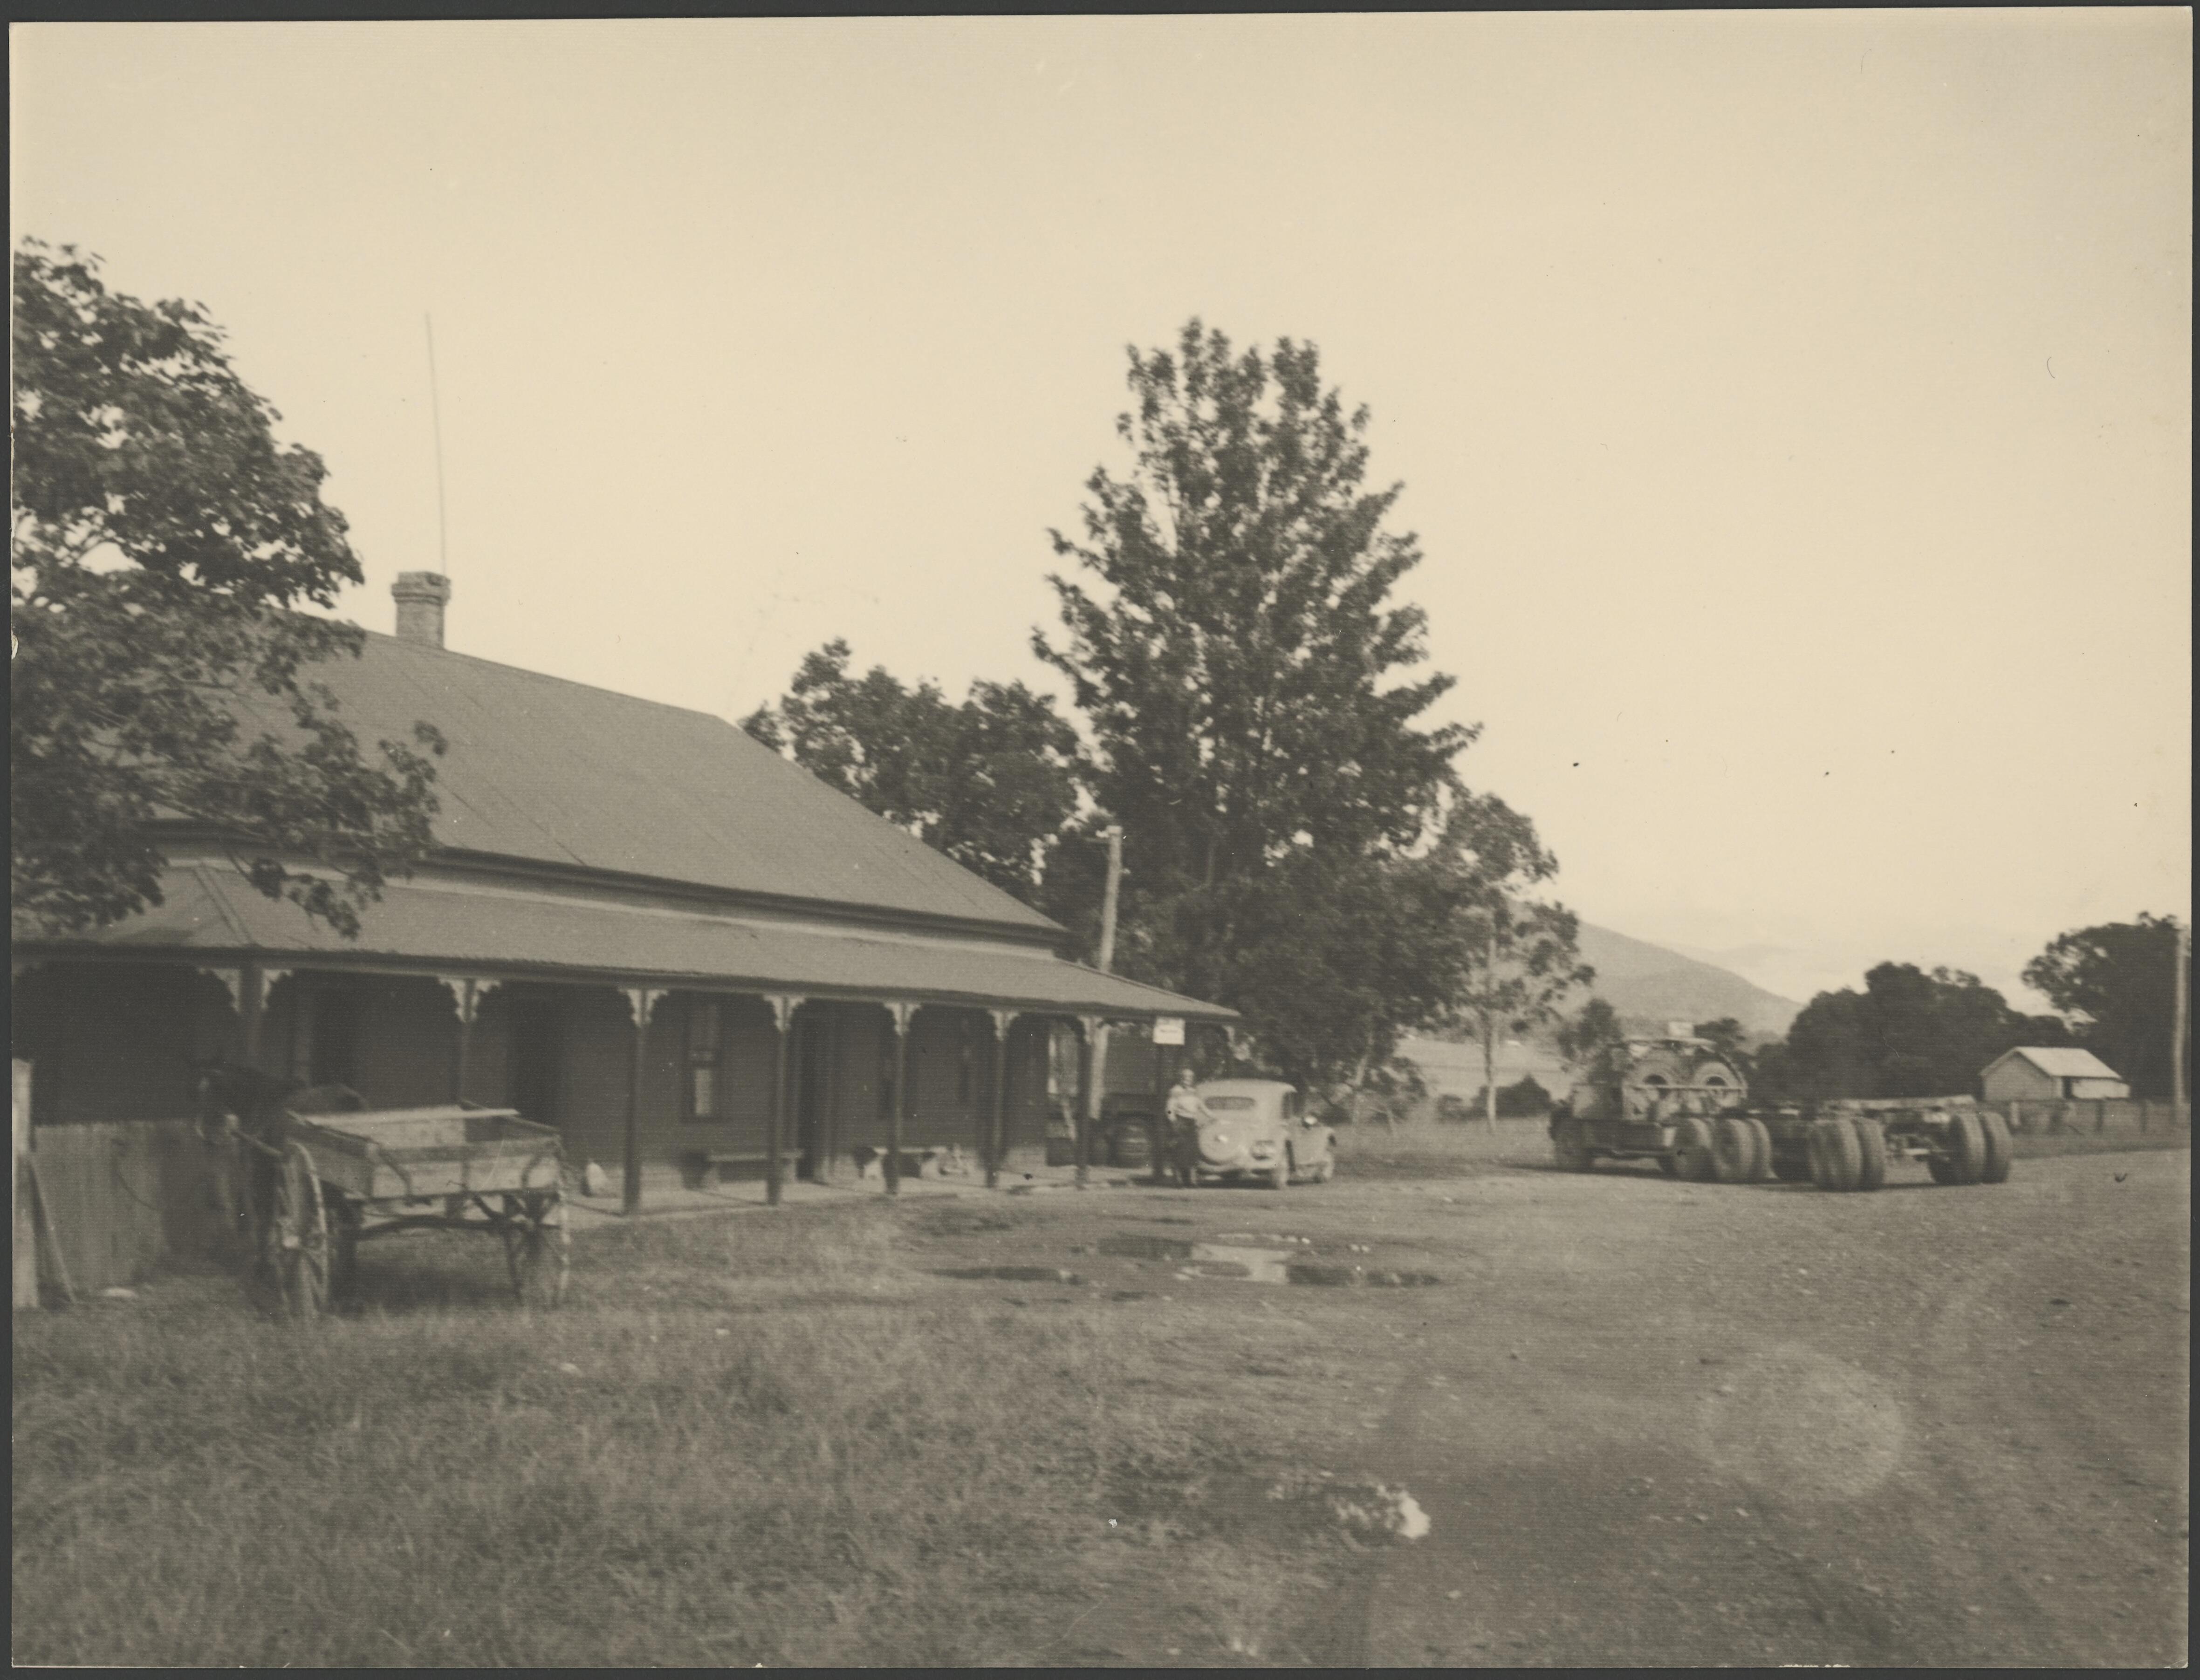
pixel 1794 408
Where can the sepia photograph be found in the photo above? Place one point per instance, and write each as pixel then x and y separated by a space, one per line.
pixel 1329 839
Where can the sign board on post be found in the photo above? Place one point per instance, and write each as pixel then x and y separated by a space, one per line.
pixel 1168 1028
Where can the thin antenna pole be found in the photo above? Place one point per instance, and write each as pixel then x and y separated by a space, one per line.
pixel 435 414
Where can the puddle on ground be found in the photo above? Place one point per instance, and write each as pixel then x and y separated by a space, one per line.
pixel 1259 1265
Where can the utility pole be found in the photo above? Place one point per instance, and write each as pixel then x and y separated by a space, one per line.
pixel 2177 1032
pixel 1113 835
pixel 1490 1036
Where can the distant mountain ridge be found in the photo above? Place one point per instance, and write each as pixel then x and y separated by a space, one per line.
pixel 1649 984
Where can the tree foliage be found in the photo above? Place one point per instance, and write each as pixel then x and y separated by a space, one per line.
pixel 1729 1038
pixel 991 782
pixel 1230 641
pixel 2116 985
pixel 1522 956
pixel 163 541
pixel 1907 1034
pixel 1236 668
pixel 1594 1026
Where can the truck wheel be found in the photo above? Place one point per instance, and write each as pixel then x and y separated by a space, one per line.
pixel 1997 1155
pixel 1692 1151
pixel 1734 1150
pixel 1966 1147
pixel 1761 1171
pixel 1942 1169
pixel 1871 1153
pixel 1668 1166
pixel 1837 1158
pixel 1570 1148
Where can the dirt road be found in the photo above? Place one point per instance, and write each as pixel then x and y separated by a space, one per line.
pixel 1661 1424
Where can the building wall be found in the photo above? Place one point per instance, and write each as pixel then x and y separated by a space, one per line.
pixel 2089 1090
pixel 116 1040
pixel 2018 1079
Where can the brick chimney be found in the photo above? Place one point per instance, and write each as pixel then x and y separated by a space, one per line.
pixel 421 597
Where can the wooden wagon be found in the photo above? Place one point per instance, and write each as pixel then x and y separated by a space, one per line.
pixel 345 1176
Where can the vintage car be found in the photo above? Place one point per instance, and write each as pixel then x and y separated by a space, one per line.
pixel 1256 1128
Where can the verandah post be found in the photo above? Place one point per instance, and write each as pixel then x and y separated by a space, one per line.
pixel 997 1127
pixel 641 999
pixel 783 1007
pixel 1089 1034
pixel 901 1013
pixel 466 995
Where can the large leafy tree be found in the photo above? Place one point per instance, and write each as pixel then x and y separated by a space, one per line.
pixel 2115 984
pixel 1907 1034
pixel 1230 640
pixel 1237 662
pixel 991 782
pixel 163 542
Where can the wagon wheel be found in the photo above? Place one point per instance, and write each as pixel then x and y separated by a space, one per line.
pixel 536 1247
pixel 1871 1147
pixel 1995 1170
pixel 299 1233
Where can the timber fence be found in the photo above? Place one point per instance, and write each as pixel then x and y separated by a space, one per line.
pixel 117 1198
pixel 2096 1117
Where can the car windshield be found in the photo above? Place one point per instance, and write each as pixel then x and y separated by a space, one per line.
pixel 1219 1103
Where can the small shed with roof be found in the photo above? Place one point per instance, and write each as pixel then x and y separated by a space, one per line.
pixel 2050 1074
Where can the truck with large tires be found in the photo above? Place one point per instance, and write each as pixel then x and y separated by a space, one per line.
pixel 1676 1101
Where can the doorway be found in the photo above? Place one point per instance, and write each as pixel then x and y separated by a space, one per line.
pixel 535 1054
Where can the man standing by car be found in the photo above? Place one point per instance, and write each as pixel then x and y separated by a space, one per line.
pixel 1186 1109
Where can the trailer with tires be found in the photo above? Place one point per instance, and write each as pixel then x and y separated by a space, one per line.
pixel 1676 1101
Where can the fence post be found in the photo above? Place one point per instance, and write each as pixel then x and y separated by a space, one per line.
pixel 2100 1116
pixel 2015 1115
pixel 23 1230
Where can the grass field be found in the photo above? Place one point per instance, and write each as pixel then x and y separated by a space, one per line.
pixel 745 1440
pixel 785 1439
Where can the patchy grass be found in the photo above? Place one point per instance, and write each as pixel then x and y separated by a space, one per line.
pixel 1440 1148
pixel 745 1440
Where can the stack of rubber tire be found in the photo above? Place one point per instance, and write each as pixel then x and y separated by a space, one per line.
pixel 1733 1149
pixel 1848 1151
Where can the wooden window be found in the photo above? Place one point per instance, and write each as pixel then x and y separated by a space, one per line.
pixel 706 1038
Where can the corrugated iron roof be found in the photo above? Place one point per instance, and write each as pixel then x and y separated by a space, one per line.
pixel 2060 1062
pixel 450 924
pixel 557 771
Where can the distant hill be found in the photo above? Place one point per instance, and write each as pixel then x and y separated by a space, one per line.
pixel 1650 985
